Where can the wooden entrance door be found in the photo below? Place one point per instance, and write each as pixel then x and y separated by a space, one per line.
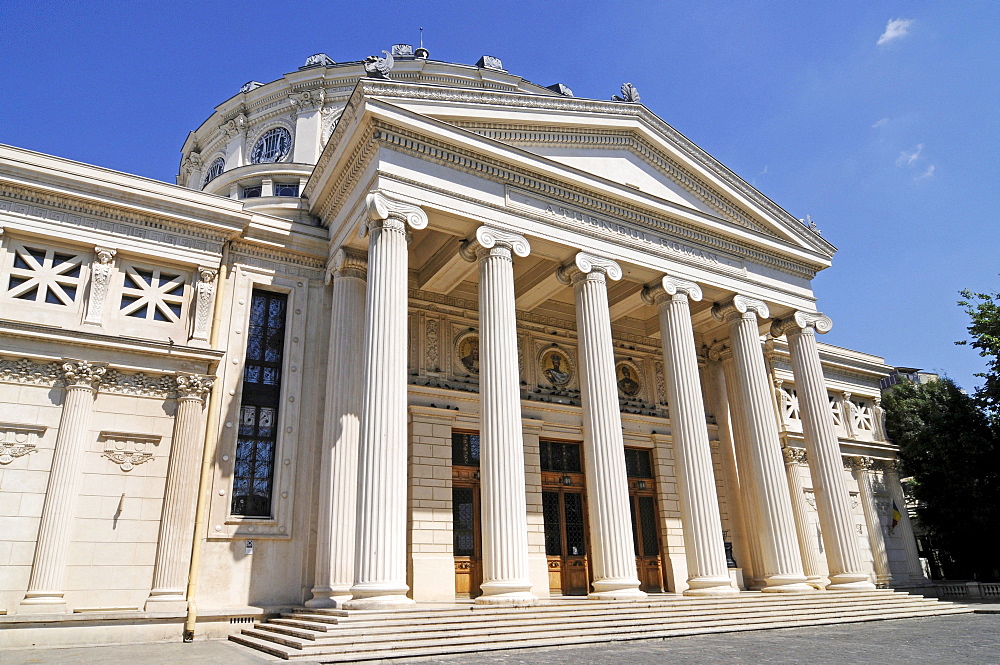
pixel 564 510
pixel 466 513
pixel 645 519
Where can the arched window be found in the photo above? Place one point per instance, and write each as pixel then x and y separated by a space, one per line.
pixel 273 146
pixel 215 170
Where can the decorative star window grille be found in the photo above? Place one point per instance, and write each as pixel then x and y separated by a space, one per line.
pixel 44 274
pixel 863 421
pixel 791 403
pixel 838 420
pixel 152 294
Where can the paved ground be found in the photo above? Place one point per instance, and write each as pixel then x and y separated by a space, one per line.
pixel 968 639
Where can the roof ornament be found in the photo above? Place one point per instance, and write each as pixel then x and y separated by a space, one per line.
pixel 421 52
pixel 250 85
pixel 318 60
pixel 379 68
pixel 629 94
pixel 808 222
pixel 561 89
pixel 490 62
pixel 402 50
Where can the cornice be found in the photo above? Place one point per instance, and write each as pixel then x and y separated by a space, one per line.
pixel 67 210
pixel 560 103
pixel 104 379
pixel 253 255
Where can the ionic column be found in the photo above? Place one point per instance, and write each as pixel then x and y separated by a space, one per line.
pixel 380 548
pixel 833 502
pixel 173 550
pixel 795 459
pixel 338 475
pixel 703 546
pixel 504 510
pixel 913 565
pixel 779 549
pixel 612 552
pixel 48 571
pixel 864 469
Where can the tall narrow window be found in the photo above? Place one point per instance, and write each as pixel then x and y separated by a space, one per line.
pixel 258 433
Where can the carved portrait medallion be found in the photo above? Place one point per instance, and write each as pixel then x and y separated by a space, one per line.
pixel 629 378
pixel 467 352
pixel 556 366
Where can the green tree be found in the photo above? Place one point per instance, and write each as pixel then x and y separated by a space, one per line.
pixel 948 447
pixel 984 312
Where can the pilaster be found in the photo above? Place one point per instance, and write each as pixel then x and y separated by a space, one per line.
pixel 337 515
pixel 795 459
pixel 612 550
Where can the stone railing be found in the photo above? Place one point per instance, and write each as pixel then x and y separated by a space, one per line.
pixel 969 590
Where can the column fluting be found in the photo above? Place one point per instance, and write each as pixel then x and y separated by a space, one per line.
pixel 612 551
pixel 779 548
pixel 702 524
pixel 380 547
pixel 338 476
pixel 504 510
pixel 833 502
pixel 46 587
pixel 795 459
pixel 864 470
pixel 180 496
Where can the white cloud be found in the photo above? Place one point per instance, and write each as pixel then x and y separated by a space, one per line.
pixel 928 172
pixel 881 123
pixel 894 29
pixel 908 157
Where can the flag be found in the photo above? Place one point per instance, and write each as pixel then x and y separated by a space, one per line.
pixel 896 516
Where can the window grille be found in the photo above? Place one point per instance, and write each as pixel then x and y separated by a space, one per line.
pixel 258 433
pixel 215 170
pixel 44 275
pixel 559 456
pixel 152 294
pixel 638 463
pixel 286 189
pixel 251 192
pixel 464 449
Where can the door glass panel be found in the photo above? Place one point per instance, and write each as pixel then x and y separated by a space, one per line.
pixel 464 521
pixel 550 514
pixel 573 508
pixel 647 517
pixel 635 529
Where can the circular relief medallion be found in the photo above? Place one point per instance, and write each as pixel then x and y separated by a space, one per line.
pixel 467 351
pixel 555 366
pixel 629 378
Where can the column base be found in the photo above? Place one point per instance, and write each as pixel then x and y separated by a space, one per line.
pixel 166 601
pixel 710 586
pixel 43 602
pixel 616 589
pixel 818 583
pixel 506 592
pixel 787 584
pixel 850 582
pixel 389 602
pixel 327 597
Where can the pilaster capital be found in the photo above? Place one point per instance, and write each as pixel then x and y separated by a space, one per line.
pixel 584 264
pixel 488 238
pixel 738 306
pixel 799 322
pixel 670 287
pixel 347 262
pixel 194 386
pixel 794 455
pixel 720 351
pixel 207 275
pixel 82 373
pixel 237 125
pixel 307 99
pixel 392 213
pixel 860 463
pixel 104 255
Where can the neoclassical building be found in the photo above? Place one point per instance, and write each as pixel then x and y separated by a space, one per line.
pixel 407 330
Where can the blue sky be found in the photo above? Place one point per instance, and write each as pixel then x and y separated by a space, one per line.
pixel 877 119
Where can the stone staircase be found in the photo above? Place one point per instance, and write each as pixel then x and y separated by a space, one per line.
pixel 345 636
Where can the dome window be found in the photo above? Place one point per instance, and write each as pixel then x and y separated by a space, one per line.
pixel 215 170
pixel 274 146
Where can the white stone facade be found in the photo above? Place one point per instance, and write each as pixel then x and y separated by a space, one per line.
pixel 620 325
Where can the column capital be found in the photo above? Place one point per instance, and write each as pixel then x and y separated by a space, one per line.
pixel 487 238
pixel 720 351
pixel 82 373
pixel 738 306
pixel 801 321
pixel 194 386
pixel 668 287
pixel 584 264
pixel 393 213
pixel 794 455
pixel 347 262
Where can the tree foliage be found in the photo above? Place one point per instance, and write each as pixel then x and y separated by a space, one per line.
pixel 984 312
pixel 946 443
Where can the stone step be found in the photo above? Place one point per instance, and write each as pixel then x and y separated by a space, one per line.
pixel 326 654
pixel 517 622
pixel 406 617
pixel 493 630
